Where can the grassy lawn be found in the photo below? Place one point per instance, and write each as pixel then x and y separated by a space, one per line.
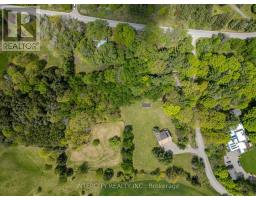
pixel 153 188
pixel 246 9
pixel 143 120
pixel 248 161
pixel 183 161
pixel 21 170
pixel 52 55
pixel 83 65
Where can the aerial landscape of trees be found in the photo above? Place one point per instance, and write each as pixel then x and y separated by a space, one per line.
pixel 55 108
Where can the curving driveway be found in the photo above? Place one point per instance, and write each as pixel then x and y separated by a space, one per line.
pixel 208 169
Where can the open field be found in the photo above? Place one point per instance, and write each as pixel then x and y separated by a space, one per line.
pixel 102 155
pixel 153 188
pixel 50 54
pixel 22 171
pixel 246 9
pixel 83 65
pixel 143 120
pixel 248 161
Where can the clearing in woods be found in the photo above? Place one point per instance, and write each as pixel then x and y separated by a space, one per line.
pixel 102 155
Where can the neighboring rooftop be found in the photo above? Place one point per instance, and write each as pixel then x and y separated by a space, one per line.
pixel 100 43
pixel 239 140
pixel 237 145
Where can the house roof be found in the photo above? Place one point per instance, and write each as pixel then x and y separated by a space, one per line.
pixel 238 139
pixel 163 134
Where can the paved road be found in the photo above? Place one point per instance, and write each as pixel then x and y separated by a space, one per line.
pixel 176 150
pixel 200 152
pixel 196 34
pixel 208 169
pixel 236 9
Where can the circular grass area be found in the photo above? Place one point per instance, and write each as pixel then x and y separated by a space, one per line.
pixel 248 161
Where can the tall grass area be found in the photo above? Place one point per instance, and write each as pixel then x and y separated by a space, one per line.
pixel 22 171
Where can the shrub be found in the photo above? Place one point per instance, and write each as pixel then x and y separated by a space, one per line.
pixel 108 174
pixel 83 168
pixel 99 172
pixel 197 162
pixel 253 8
pixel 96 142
pixel 69 171
pixel 127 149
pixel 115 141
pixel 172 172
pixel 155 172
pixel 162 155
pixel 39 189
pixel 62 159
pixel 48 166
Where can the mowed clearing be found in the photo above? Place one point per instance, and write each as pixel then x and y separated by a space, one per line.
pixel 102 155
pixel 83 65
pixel 248 161
pixel 143 119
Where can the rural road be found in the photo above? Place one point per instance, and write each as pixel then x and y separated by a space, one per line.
pixel 195 33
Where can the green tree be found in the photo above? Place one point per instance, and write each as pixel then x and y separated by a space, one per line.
pixel 84 168
pixel 108 174
pixel 249 120
pixel 170 109
pixel 98 30
pixel 124 34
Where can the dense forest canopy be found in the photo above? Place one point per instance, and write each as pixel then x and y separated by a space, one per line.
pixel 55 106
pixel 197 16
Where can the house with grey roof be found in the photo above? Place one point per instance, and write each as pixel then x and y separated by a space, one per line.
pixel 163 137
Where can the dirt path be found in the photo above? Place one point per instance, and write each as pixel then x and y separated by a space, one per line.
pixel 236 9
